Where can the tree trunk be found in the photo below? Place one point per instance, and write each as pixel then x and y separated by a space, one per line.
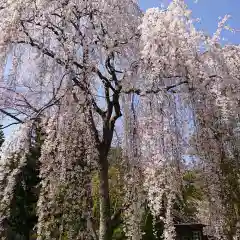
pixel 105 225
pixel 105 213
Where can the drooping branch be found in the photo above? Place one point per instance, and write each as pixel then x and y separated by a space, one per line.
pixel 11 116
pixel 93 126
pixel 111 70
pixel 46 51
pixel 14 123
pixel 154 91
pixel 175 85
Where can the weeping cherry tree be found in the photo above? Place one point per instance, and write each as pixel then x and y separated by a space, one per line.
pixel 75 68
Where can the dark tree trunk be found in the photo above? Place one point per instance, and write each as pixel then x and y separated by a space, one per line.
pixel 105 213
pixel 105 229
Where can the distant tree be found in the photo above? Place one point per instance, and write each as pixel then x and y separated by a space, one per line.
pixel 23 217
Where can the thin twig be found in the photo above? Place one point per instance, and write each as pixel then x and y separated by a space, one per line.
pixel 15 123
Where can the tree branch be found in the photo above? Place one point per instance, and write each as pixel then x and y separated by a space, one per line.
pixel 15 123
pixel 94 104
pixel 96 135
pixel 157 90
pixel 11 116
pixel 44 50
pixel 110 68
pixel 105 79
pixel 176 85
pixel 117 107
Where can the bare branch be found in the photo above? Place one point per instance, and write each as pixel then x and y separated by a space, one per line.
pixel 11 116
pixel 111 69
pixel 14 123
pixel 105 79
pixel 155 91
pixel 176 85
pixel 117 107
pixel 44 50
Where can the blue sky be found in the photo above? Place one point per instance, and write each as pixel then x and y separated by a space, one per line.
pixel 209 11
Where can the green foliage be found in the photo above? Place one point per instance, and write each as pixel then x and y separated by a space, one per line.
pixel 23 206
pixel 186 207
pixel 116 196
pixel 115 190
pixel 118 233
pixel 231 189
pixel 152 229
